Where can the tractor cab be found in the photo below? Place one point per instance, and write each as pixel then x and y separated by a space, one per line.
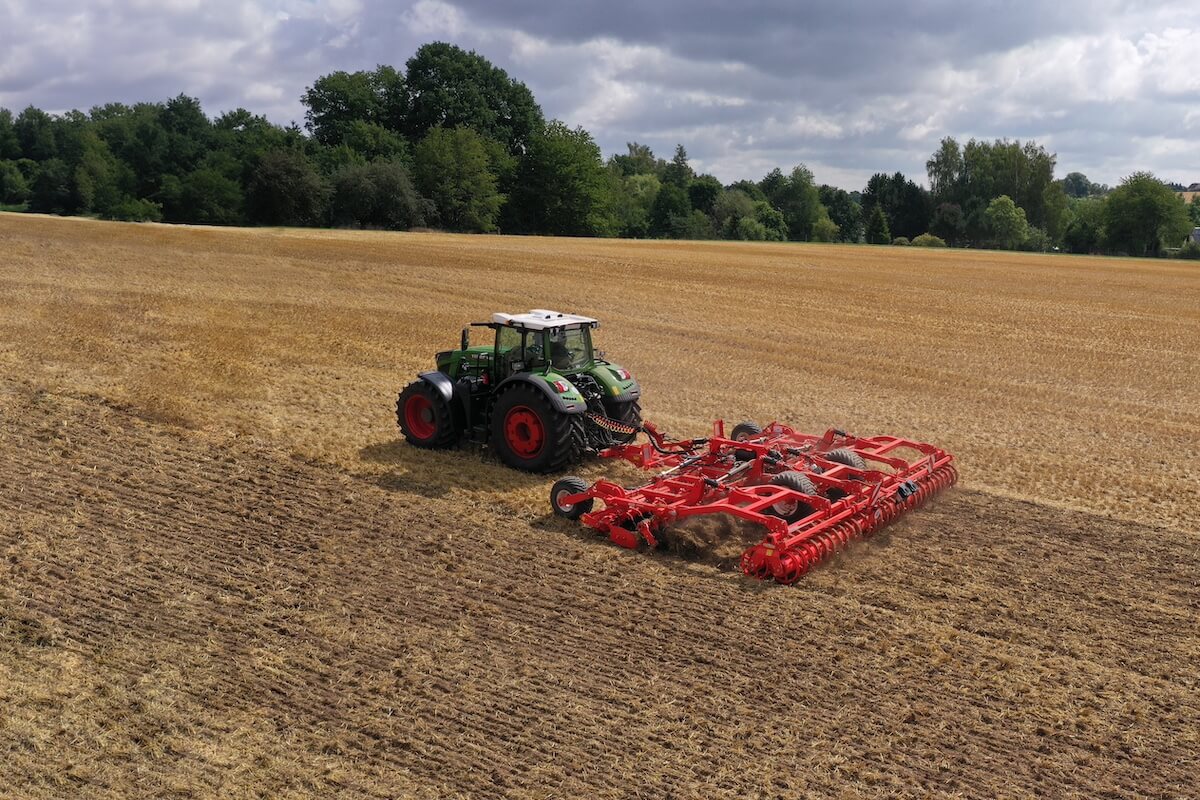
pixel 541 341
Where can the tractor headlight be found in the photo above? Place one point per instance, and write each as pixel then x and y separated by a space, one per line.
pixel 622 374
pixel 562 387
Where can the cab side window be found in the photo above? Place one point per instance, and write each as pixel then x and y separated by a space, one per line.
pixel 508 340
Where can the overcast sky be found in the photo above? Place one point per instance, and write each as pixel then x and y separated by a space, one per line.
pixel 848 88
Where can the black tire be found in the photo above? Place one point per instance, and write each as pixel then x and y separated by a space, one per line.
pixel 845 456
pixel 561 435
pixel 424 416
pixel 799 482
pixel 568 486
pixel 631 414
pixel 745 430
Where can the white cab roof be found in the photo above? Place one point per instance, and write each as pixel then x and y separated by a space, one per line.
pixel 539 319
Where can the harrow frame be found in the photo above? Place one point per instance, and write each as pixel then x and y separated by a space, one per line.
pixel 852 496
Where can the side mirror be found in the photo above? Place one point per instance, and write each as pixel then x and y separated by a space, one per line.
pixel 466 338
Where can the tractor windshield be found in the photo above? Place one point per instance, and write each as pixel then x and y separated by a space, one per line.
pixel 570 348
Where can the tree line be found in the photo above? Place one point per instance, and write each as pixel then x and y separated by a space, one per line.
pixel 454 142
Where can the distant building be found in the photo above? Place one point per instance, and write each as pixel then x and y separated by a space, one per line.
pixel 1193 191
pixel 1195 187
pixel 1194 236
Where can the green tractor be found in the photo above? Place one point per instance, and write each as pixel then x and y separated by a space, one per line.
pixel 539 394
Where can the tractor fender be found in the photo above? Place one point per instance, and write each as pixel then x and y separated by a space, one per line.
pixel 633 393
pixel 440 381
pixel 563 406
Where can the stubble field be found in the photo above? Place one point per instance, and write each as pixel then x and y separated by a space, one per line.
pixel 224 575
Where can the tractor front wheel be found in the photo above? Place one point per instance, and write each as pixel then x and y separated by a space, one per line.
pixel 424 416
pixel 530 434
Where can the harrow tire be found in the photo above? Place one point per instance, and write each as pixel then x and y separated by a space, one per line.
pixel 568 486
pixel 424 417
pixel 797 481
pixel 529 434
pixel 745 430
pixel 844 455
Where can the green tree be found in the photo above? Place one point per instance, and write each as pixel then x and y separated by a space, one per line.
pixel 34 130
pixel 949 223
pixel 906 206
pixel 1085 231
pixel 376 195
pixel 1007 223
pixel 51 192
pixel 285 189
pixel 843 211
pixel 703 192
pixel 633 196
pixel 97 176
pixel 449 87
pixel 928 240
pixel 562 187
pixel 946 172
pixel 134 210
pixel 750 188
pixel 1143 214
pixel 339 101
pixel 188 133
pixel 877 226
pixel 731 206
pixel 772 221
pixel 678 172
pixel 208 197
pixel 10 147
pixel 696 225
pixel 375 142
pixel 796 196
pixel 670 203
pixel 750 230
pixel 639 160
pixel 452 169
pixel 14 189
pixel 825 229
pixel 1057 212
pixel 1076 184
pixel 1194 210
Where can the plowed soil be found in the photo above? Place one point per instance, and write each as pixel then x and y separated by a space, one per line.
pixel 222 576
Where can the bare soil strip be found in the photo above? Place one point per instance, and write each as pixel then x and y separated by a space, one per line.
pixel 182 615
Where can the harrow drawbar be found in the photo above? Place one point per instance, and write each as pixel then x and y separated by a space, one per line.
pixel 813 495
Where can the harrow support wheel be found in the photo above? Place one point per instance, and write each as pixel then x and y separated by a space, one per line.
pixel 844 455
pixel 565 487
pixel 793 510
pixel 528 433
pixel 745 430
pixel 424 416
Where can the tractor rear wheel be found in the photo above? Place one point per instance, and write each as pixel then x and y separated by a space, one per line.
pixel 793 510
pixel 424 416
pixel 631 414
pixel 530 434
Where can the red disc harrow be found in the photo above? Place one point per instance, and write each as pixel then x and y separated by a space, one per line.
pixel 812 494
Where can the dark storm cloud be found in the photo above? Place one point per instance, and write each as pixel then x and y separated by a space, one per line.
pixel 848 88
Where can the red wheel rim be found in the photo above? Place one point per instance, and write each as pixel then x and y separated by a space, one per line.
pixel 524 431
pixel 418 416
